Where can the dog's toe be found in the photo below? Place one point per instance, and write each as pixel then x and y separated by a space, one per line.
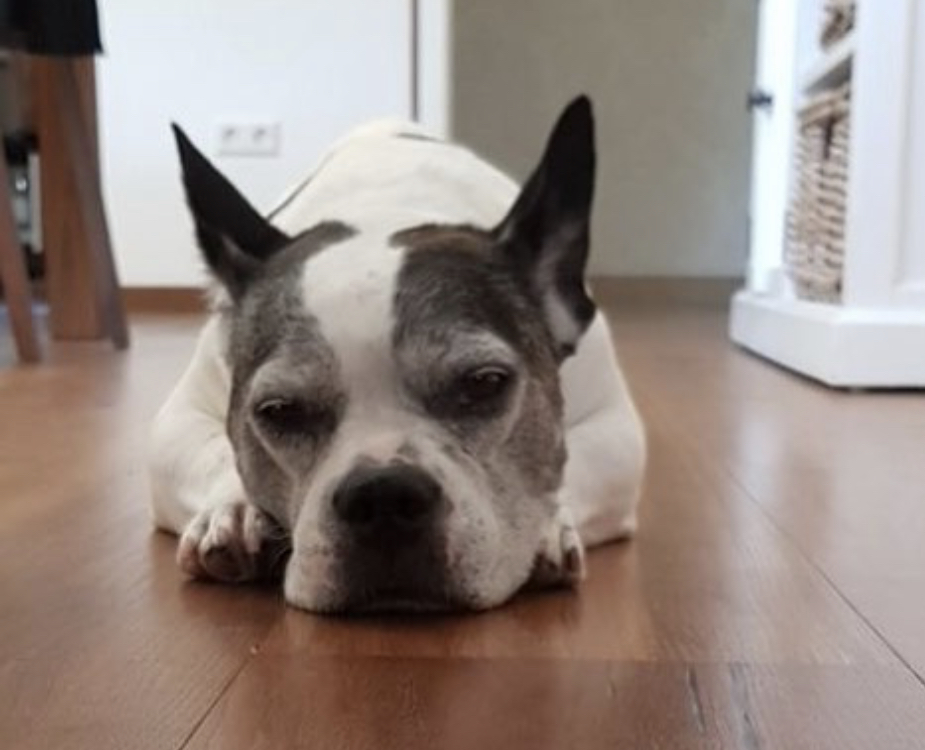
pixel 573 556
pixel 234 543
pixel 227 563
pixel 561 558
pixel 188 547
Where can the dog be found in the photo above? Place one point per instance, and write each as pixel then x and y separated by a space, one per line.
pixel 404 397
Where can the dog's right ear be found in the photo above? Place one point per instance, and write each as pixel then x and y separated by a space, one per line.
pixel 545 236
pixel 234 238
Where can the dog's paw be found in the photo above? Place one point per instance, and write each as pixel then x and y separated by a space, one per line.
pixel 560 560
pixel 234 542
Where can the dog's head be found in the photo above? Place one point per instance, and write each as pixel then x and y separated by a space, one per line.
pixel 395 401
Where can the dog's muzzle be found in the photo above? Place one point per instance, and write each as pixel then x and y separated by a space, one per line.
pixel 392 529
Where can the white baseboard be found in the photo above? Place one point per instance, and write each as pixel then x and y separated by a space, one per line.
pixel 842 347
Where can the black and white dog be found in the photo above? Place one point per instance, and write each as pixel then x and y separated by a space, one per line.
pixel 404 382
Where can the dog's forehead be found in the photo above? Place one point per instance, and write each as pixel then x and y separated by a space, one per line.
pixel 349 289
pixel 373 293
pixel 455 279
pixel 272 316
pixel 375 289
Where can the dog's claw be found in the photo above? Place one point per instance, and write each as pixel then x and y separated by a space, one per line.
pixel 234 542
pixel 561 558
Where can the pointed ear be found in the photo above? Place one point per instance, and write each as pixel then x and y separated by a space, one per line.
pixel 545 235
pixel 234 238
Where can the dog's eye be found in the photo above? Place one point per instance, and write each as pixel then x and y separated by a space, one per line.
pixel 287 416
pixel 482 385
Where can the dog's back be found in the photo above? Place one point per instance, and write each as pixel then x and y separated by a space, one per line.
pixel 390 175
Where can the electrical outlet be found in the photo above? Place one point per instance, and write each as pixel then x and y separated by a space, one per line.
pixel 248 139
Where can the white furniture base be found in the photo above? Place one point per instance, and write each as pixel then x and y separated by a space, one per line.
pixel 843 347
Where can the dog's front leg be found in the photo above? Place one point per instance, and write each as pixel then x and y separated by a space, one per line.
pixel 196 490
pixel 603 474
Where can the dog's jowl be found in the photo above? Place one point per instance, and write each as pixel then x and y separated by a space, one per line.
pixel 405 397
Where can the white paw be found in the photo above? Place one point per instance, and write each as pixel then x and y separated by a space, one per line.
pixel 233 542
pixel 561 557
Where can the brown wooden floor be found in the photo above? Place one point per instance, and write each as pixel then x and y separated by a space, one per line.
pixel 774 599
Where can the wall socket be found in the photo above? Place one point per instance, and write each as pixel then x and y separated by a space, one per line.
pixel 249 139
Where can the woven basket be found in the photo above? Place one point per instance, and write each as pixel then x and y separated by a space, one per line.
pixel 837 20
pixel 816 216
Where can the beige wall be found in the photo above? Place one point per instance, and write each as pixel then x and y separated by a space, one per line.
pixel 668 78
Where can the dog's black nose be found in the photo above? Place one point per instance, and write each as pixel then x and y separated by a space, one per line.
pixel 393 498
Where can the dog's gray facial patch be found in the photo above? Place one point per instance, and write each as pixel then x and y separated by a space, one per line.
pixel 306 244
pixel 453 290
pixel 277 352
pixel 279 270
pixel 451 279
pixel 273 307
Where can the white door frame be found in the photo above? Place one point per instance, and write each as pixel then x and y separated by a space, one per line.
pixel 772 140
pixel 430 54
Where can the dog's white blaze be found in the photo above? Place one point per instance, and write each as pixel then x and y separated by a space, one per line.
pixel 355 314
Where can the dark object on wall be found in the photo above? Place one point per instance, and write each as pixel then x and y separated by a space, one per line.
pixel 50 27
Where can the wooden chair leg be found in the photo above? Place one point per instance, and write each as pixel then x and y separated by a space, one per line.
pixel 73 314
pixel 81 282
pixel 80 157
pixel 13 274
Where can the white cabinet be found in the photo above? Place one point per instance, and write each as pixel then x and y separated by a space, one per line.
pixel 875 336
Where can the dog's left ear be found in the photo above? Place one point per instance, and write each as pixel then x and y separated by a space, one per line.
pixel 546 234
pixel 234 238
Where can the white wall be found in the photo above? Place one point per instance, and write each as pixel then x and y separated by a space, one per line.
pixel 316 66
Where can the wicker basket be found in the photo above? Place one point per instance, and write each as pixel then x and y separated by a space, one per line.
pixel 837 20
pixel 816 216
